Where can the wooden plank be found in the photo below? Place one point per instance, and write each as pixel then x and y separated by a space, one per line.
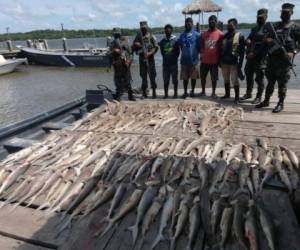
pixel 9 244
pixel 30 224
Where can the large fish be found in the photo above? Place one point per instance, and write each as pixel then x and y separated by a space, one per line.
pixel 165 216
pixel 292 156
pixel 117 198
pixel 156 165
pixel 239 223
pixel 203 173
pixel 218 148
pixel 179 146
pixel 283 175
pixel 194 223
pixel 225 225
pixel 247 154
pixel 270 171
pixel 277 154
pixel 218 175
pixel 194 145
pixel 267 225
pixel 251 227
pixel 143 206
pixel 216 213
pixel 176 203
pixel 183 215
pixel 234 152
pixel 130 204
pixel 243 174
pixel 262 143
pixel 10 180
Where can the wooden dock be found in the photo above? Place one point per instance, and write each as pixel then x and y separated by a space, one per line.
pixel 26 228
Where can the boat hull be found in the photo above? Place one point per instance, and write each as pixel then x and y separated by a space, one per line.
pixel 66 59
pixel 10 65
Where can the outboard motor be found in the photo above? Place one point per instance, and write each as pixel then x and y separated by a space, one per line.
pixel 29 43
pixel 9 45
pixel 65 44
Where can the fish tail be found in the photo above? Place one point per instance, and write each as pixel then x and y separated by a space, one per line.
pixel 134 232
pixel 156 241
pixel 108 227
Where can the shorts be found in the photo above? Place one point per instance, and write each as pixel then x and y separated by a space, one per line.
pixel 212 68
pixel 189 72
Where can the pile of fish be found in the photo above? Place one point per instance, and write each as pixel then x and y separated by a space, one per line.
pixel 156 118
pixel 180 184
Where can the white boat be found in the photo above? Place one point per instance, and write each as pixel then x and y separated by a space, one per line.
pixel 9 65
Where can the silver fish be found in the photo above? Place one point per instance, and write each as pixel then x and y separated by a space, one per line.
pixel 194 223
pixel 156 165
pixel 292 156
pixel 218 148
pixel 143 206
pixel 262 143
pixel 251 227
pixel 243 174
pixel 235 151
pixel 267 226
pixel 117 198
pixel 166 214
pixel 203 173
pixel 247 154
pixel 225 225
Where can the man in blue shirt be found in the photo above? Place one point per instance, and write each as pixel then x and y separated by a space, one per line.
pixel 189 42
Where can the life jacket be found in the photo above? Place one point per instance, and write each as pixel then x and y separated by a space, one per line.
pixel 235 44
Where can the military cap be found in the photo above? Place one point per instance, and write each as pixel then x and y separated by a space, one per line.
pixel 116 30
pixel 262 12
pixel 287 7
pixel 144 24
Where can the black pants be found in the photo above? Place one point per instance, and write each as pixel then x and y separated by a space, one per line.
pixel 123 83
pixel 280 73
pixel 168 72
pixel 255 68
pixel 147 68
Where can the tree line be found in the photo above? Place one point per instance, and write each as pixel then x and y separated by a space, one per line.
pixel 57 34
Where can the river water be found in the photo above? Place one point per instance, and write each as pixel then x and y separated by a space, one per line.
pixel 34 89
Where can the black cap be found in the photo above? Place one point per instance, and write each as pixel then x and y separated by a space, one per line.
pixel 262 12
pixel 189 19
pixel 116 30
pixel 287 7
pixel 169 26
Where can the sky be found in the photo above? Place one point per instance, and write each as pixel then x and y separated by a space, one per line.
pixel 27 15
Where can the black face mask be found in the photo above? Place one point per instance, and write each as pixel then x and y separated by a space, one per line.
pixel 212 25
pixel 285 16
pixel 117 36
pixel 230 29
pixel 261 21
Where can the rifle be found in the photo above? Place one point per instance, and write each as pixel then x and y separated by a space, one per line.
pixel 278 46
pixel 122 55
pixel 144 50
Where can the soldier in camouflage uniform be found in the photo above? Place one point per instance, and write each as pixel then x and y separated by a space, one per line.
pixel 282 44
pixel 145 46
pixel 121 58
pixel 256 57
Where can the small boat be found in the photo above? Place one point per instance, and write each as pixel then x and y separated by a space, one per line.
pixel 9 65
pixel 69 58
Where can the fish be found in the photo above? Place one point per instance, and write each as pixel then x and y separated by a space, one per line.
pixel 165 216
pixel 152 213
pixel 277 154
pixel 216 213
pixel 117 198
pixel 204 124
pixel 218 148
pixel 146 166
pixel 194 222
pixel 239 223
pixel 190 164
pixel 270 171
pixel 283 175
pixel 113 168
pixel 267 225
pixel 292 156
pixel 203 173
pixel 247 154
pixel 262 143
pixel 255 178
pixel 88 188
pixel 179 146
pixel 251 228
pixel 235 151
pixel 255 155
pixel 130 204
pixel 218 175
pixel 167 166
pixel 176 203
pixel 225 225
pixel 14 175
pixel 156 165
pixel 250 186
pixel 101 163
pixel 183 215
pixel 164 146
pixel 286 161
pixel 143 206
pixel 243 174
pixel 194 145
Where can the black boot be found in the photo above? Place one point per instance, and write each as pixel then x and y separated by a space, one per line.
pixel 279 107
pixel 166 87
pixel 144 93
pixel 193 83
pixel 175 91
pixel 131 97
pixel 265 103
pixel 227 91
pixel 153 93
pixel 246 97
pixel 237 94
pixel 214 86
pixel 185 86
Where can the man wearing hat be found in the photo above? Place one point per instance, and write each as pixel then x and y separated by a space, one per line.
pixel 145 46
pixel 256 57
pixel 121 58
pixel 282 43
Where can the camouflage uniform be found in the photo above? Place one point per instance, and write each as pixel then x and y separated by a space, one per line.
pixel 256 65
pixel 147 65
pixel 122 73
